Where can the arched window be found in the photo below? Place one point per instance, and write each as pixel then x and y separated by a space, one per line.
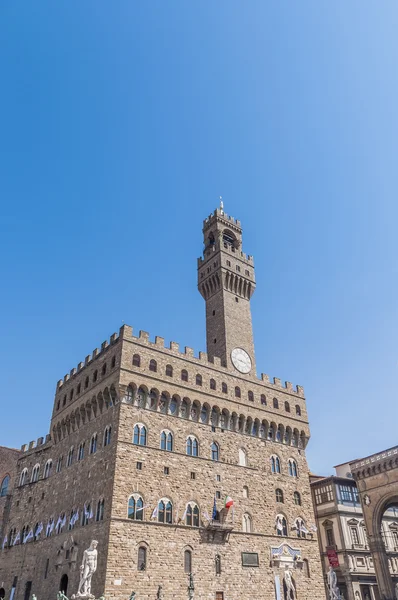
pixel 141 564
pixel 153 365
pixel 58 467
pixel 86 382
pixel 107 435
pixel 278 435
pixel 250 396
pixel 4 486
pixel 215 452
pixel 173 405
pixel 100 510
pixel 275 464
pixel 135 508
pixel 204 414
pixel 139 435
pixel 198 379
pixel 247 523
pixel 263 400
pixel 279 495
pixel 169 371
pixel 93 444
pixel 301 529
pixel 287 407
pixel 192 516
pixel 80 452
pixel 271 432
pixel 141 397
pixel 192 446
pixel 113 363
pixel 166 441
pixel 297 498
pixel 237 392
pixel 298 410
pixel 224 388
pixel 281 525
pixel 292 468
pixel 165 511
pixel 184 375
pixel 188 561
pixel 242 457
pixel 136 360
pixel 79 387
pixel 103 370
pixel 95 375
pixel 35 474
pixel 275 403
pixel 47 469
pixel 213 384
pixel 218 564
pixel 245 491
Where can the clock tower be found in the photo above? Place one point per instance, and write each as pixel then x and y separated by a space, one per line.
pixel 226 281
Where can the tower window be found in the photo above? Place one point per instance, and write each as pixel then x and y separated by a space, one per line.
pixel 184 375
pixel 250 396
pixel 275 403
pixel 287 407
pixel 103 370
pixel 298 410
pixel 238 268
pixel 212 384
pixel 95 375
pixel 224 388
pixel 79 388
pixel 236 299
pixel 64 400
pixel 237 392
pixel 153 365
pixel 228 263
pixel 136 360
pixel 215 340
pixel 214 313
pixel 247 273
pixel 263 400
pixel 169 371
pixel 198 379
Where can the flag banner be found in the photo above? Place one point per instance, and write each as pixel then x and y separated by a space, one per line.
pixel 279 525
pixel 206 515
pixel 303 528
pixel 185 513
pixel 4 543
pixel 228 502
pixel 214 513
pixel 314 528
pixel 155 513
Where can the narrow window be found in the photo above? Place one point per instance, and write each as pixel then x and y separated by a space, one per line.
pixel 193 475
pixel 113 363
pixel 103 369
pixel 80 452
pixel 212 384
pixel 287 407
pixel 198 379
pixel 59 464
pixel 93 444
pixel 354 535
pixel 95 375
pixel 169 371
pixel 281 525
pixel 298 410
pixel 184 375
pixel 279 495
pixel 245 491
pixel 224 388
pixel 250 396
pixel 297 498
pixel 187 561
pixel 263 400
pixel 86 382
pixel 275 403
pixel 136 360
pixel 79 387
pixel 215 451
pixel 153 366
pixel 237 392
pixel 100 510
pixel 64 400
pixel 275 464
pixel 4 486
pixel 292 468
pixel 141 558
pixel 192 446
pixel 107 435
pixel 139 435
pixel 47 469
pixel 135 509
pixel 329 536
pixel 217 560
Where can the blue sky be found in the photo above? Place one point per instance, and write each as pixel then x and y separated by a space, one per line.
pixel 121 125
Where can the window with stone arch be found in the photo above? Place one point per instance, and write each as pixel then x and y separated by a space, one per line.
pixel 298 410
pixel 192 446
pixel 103 370
pixel 169 371
pixel 140 435
pixel 192 514
pixel 93 444
pixel 166 440
pixel 107 435
pixel 237 392
pixel 48 468
pixel 165 511
pixel 173 405
pixel 297 498
pixel 275 403
pixel 224 388
pixel 4 486
pixel 136 360
pixel 215 452
pixel 292 467
pixel 250 396
pixel 35 474
pixel 187 561
pixel 198 379
pixel 275 464
pixel 287 406
pixel 242 457
pixel 135 508
pixel 279 495
pixel 271 432
pixel 281 525
pixel 204 414
pixel 184 375
pixel 99 516
pixel 213 385
pixel 80 452
pixel 141 562
pixel 69 459
pixel 247 523
pixel 153 365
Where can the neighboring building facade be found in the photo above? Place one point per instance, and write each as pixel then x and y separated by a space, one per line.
pixel 343 539
pixel 176 464
pixel 8 468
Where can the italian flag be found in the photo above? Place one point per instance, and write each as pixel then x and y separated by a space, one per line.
pixel 228 502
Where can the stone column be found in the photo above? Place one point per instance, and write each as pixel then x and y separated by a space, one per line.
pixel 380 561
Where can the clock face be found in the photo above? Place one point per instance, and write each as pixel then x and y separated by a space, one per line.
pixel 241 360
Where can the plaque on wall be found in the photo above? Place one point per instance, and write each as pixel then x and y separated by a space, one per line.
pixel 249 559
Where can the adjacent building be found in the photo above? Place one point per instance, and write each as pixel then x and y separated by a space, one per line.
pixel 189 470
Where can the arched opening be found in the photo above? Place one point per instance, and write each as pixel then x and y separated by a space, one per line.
pixel 2 593
pixel 63 585
pixel 388 528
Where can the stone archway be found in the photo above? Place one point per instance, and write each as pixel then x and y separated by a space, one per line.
pixel 377 481
pixel 63 585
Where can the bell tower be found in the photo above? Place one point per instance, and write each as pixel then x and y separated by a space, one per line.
pixel 226 281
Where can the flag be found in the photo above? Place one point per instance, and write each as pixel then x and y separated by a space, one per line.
pixel 314 528
pixel 17 538
pixel 4 543
pixel 206 515
pixel 303 528
pixel 279 525
pixel 228 502
pixel 214 513
pixel 28 536
pixel 176 519
pixel 185 513
pixel 155 513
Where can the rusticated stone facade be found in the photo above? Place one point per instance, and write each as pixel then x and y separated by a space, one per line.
pixel 168 436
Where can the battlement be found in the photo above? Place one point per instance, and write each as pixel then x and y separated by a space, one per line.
pixel 89 359
pixel 126 333
pixel 219 213
pixel 35 444
pixel 239 254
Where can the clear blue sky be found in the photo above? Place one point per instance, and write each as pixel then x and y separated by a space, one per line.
pixel 121 125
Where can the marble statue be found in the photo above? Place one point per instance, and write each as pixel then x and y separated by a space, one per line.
pixel 290 589
pixel 334 593
pixel 34 597
pixel 61 596
pixel 87 569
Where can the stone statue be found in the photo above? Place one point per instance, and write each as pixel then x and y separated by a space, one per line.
pixel 396 591
pixel 87 569
pixel 34 597
pixel 60 596
pixel 290 589
pixel 334 593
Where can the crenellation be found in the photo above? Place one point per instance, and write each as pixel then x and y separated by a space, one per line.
pixel 288 386
pixel 265 378
pixel 32 445
pixel 174 347
pixel 300 390
pixel 159 341
pixel 203 357
pixel 277 382
pixel 40 441
pixel 24 447
pixel 95 353
pixel 113 338
pixel 189 352
pixel 87 359
pixel 66 377
pixel 72 372
pixel 59 383
pixel 126 332
pixel 80 366
pixel 104 345
pixel 144 336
